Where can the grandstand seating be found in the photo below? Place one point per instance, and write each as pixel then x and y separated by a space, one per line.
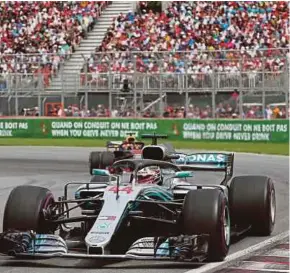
pixel 212 36
pixel 57 27
pixel 193 27
pixel 196 38
pixel 43 34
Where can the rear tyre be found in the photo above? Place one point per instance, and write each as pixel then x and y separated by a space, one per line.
pixel 107 159
pixel 25 207
pixel 206 211
pixel 253 203
pixel 94 161
pixel 100 160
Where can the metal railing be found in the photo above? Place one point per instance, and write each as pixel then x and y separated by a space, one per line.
pixel 197 105
pixel 264 84
pixel 190 82
pixel 20 91
pixel 146 82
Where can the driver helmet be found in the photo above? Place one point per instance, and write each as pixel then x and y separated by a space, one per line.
pixel 149 175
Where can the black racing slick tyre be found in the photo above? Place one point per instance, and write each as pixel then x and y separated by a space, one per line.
pixel 24 210
pixel 100 160
pixel 206 211
pixel 253 203
pixel 94 161
pixel 107 159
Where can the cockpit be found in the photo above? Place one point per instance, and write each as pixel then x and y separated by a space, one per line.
pixel 140 172
pixel 146 175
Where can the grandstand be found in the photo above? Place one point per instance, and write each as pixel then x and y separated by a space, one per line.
pixel 196 59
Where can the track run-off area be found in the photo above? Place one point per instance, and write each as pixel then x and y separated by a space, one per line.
pixel 53 167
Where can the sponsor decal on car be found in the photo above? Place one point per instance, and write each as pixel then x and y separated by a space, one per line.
pixel 107 218
pixel 218 158
pixel 103 226
pixel 201 158
pixel 99 232
pixel 95 239
pixel 127 189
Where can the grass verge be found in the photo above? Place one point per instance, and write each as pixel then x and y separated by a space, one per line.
pixel 260 148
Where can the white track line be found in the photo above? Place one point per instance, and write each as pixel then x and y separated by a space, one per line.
pixel 264 270
pixel 252 265
pixel 212 267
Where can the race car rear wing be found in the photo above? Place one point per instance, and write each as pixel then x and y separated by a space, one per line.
pixel 117 144
pixel 216 162
pixel 113 144
pixel 154 137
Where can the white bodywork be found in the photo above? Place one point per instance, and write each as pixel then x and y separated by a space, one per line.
pixel 114 209
pixel 109 217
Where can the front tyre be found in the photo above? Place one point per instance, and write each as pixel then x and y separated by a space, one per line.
pixel 206 211
pixel 25 208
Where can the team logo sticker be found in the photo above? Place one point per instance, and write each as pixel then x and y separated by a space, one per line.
pixel 95 239
pixel 107 218
pixel 103 226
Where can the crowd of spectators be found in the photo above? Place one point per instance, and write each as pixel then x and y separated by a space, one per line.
pixel 44 34
pixel 197 38
pixel 223 110
pixel 245 29
pixel 37 37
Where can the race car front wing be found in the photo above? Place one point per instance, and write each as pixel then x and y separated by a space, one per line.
pixel 41 246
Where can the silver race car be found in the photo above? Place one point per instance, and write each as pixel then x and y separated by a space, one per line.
pixel 130 148
pixel 141 209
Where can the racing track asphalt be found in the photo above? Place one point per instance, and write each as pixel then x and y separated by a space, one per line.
pixel 53 167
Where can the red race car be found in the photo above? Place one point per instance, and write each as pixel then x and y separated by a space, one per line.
pixel 116 150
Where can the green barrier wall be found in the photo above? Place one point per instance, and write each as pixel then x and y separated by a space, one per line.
pixel 185 129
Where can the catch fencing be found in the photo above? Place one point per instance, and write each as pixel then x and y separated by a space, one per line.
pixel 155 79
